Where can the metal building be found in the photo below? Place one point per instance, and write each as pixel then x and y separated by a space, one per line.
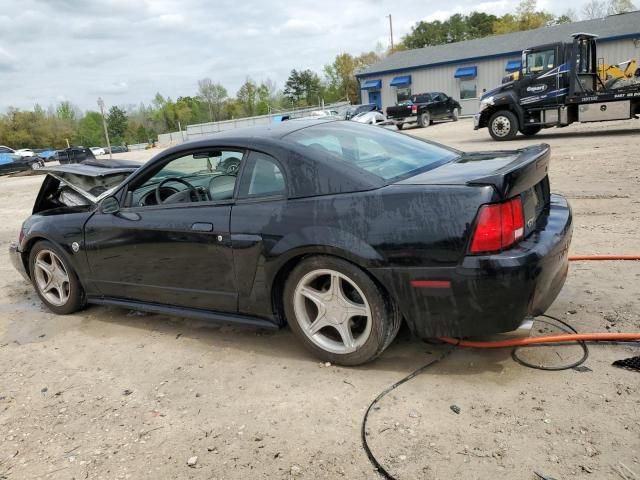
pixel 464 70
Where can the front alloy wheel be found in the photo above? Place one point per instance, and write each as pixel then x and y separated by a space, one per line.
pixel 338 312
pixel 51 278
pixel 55 281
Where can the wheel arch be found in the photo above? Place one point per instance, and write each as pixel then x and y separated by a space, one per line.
pixel 280 277
pixel 39 237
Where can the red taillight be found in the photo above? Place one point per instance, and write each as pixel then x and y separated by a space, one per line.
pixel 414 109
pixel 499 226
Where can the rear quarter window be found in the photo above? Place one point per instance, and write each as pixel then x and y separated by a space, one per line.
pixel 384 153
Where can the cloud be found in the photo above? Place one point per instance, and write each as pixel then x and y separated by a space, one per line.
pixel 116 88
pixel 127 50
pixel 8 61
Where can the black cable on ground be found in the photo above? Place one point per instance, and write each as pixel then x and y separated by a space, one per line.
pixel 363 432
pixel 567 328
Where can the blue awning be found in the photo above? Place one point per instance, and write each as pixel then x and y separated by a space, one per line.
pixel 372 85
pixel 513 65
pixel 464 72
pixel 401 81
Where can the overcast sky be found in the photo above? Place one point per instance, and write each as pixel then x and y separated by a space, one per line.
pixel 127 50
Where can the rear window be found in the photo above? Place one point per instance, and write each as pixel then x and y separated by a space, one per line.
pixel 387 154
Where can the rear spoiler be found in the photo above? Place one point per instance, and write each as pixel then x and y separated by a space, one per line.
pixel 529 167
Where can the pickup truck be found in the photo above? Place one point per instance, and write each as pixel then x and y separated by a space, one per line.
pixel 423 109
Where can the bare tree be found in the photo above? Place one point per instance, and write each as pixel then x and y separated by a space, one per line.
pixel 214 94
pixel 594 9
pixel 620 6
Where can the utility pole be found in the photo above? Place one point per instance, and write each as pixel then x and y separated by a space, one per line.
pixel 104 124
pixel 391 31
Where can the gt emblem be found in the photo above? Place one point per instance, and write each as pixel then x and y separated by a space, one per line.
pixel 75 246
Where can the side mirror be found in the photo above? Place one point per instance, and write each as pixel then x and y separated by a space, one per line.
pixel 110 205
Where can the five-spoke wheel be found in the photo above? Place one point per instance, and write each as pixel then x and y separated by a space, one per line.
pixel 338 311
pixel 56 283
pixel 51 277
pixel 332 311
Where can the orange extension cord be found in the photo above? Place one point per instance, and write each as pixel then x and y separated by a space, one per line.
pixel 578 337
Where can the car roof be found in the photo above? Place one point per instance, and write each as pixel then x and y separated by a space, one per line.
pixel 309 171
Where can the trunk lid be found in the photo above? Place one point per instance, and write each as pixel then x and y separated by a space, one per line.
pixel 521 172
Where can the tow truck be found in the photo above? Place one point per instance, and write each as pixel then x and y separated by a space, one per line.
pixel 558 84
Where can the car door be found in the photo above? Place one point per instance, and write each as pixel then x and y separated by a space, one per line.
pixel 178 252
pixel 440 104
pixel 539 82
pixel 256 227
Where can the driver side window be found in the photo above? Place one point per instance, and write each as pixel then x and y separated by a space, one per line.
pixel 194 177
pixel 540 61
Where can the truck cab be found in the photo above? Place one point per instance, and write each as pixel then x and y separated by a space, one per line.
pixel 558 84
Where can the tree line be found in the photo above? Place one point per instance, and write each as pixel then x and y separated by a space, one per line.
pixel 212 102
pixel 460 27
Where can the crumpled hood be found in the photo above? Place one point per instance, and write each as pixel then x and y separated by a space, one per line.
pixel 92 179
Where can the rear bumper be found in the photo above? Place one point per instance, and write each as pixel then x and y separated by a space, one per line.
pixel 406 119
pixel 16 260
pixel 488 294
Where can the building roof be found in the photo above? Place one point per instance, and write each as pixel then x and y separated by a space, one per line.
pixel 623 25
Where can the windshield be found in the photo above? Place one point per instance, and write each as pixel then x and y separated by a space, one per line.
pixel 389 155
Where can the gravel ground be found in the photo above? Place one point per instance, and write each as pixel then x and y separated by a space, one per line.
pixel 111 393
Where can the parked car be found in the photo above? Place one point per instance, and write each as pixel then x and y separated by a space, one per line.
pixel 48 154
pixel 23 152
pixel 12 162
pixel 117 149
pixel 371 118
pixel 354 110
pixel 323 113
pixel 74 155
pixel 97 151
pixel 424 108
pixel 338 229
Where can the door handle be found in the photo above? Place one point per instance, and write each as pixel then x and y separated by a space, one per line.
pixel 202 227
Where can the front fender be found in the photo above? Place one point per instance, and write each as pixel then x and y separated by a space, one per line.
pixel 62 230
pixel 507 100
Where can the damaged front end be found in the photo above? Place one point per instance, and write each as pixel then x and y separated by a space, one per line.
pixel 80 186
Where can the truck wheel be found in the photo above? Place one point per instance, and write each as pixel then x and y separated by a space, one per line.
pixel 530 131
pixel 399 125
pixel 503 125
pixel 424 120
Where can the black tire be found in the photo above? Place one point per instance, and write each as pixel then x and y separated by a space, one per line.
pixel 455 114
pixel 424 119
pixel 400 125
pixel 76 296
pixel 385 315
pixel 503 125
pixel 530 131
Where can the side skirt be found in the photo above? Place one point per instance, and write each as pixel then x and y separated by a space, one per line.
pixel 217 317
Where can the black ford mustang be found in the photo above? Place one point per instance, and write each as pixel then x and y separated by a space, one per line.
pixel 339 229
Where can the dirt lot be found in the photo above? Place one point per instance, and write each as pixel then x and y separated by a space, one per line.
pixel 110 393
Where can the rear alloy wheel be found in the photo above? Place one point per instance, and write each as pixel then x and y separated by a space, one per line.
pixel 338 311
pixel 454 114
pixel 530 131
pixel 503 125
pixel 56 283
pixel 424 120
